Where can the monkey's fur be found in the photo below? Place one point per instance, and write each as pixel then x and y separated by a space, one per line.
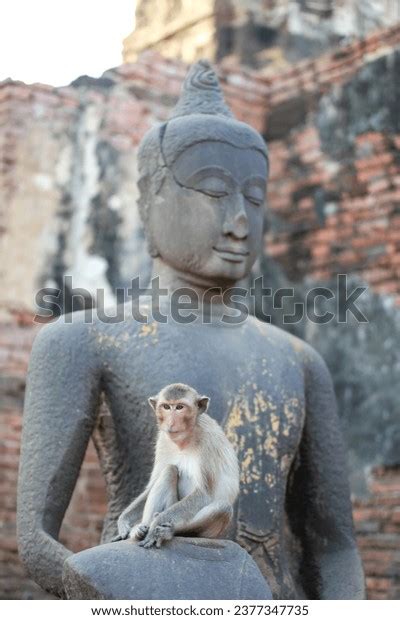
pixel 195 478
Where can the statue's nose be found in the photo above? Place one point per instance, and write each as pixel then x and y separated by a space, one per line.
pixel 236 222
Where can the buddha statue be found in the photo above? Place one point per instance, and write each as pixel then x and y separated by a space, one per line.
pixel 202 184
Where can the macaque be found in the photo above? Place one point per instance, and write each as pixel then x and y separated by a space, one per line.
pixel 195 477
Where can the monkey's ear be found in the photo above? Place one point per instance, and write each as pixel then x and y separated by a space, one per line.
pixel 152 402
pixel 202 403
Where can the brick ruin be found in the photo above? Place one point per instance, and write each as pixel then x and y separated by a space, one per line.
pixel 68 191
pixel 262 34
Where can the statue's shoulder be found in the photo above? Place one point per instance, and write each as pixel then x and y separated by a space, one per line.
pixel 276 336
pixel 306 355
pixel 314 365
pixel 72 332
pixel 87 328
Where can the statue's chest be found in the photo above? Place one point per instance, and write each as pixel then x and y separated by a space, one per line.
pixel 254 382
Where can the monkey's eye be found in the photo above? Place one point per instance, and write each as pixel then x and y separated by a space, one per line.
pixel 165 406
pixel 179 407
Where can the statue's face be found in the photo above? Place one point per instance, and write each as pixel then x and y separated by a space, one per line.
pixel 207 219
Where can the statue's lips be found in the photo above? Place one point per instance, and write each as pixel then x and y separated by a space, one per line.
pixel 233 256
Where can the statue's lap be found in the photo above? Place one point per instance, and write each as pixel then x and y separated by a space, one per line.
pixel 183 569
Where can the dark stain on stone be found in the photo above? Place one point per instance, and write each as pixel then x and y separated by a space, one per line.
pixel 297 167
pixel 285 116
pixel 86 81
pixel 104 220
pixel 368 102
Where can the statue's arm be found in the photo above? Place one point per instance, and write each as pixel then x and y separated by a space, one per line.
pixel 318 501
pixel 59 415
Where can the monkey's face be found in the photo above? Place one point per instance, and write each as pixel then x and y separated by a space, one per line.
pixel 207 219
pixel 177 418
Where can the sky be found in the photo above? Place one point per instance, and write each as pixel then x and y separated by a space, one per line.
pixel 56 41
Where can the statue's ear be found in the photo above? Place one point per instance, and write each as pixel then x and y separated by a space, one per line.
pixel 152 402
pixel 202 403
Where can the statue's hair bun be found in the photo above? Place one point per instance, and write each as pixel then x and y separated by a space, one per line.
pixel 201 93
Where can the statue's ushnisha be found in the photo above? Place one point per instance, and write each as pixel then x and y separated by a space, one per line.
pixel 202 182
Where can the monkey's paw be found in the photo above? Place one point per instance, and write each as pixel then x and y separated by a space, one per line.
pixel 123 530
pixel 157 535
pixel 139 532
pixel 116 538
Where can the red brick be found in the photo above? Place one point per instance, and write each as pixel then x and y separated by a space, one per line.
pixel 325 234
pixel 379 186
pixel 276 249
pixel 395 517
pixel 373 162
pixel 378 583
pixel 321 251
pixel 375 595
pixel 374 138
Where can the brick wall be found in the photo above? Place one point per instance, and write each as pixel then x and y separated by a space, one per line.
pixel 255 33
pixel 377 522
pixel 356 226
pixel 50 172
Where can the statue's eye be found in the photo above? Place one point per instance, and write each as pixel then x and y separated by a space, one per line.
pixel 214 194
pixel 254 201
pixel 179 407
pixel 212 186
pixel 254 193
pixel 165 406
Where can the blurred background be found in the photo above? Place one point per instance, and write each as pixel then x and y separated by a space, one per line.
pixel 320 80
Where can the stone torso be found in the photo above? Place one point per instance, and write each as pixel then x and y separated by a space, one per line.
pixel 254 376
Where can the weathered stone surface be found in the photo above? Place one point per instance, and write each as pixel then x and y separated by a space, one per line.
pixel 185 568
pixel 368 103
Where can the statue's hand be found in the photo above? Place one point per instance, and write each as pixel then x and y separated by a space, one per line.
pixel 139 531
pixel 157 534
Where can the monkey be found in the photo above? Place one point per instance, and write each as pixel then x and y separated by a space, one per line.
pixel 195 477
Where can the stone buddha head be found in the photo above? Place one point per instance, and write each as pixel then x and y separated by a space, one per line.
pixel 202 181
